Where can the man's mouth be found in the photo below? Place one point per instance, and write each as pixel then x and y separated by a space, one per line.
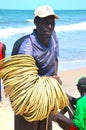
pixel 48 32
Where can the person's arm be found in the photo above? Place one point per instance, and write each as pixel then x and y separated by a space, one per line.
pixel 72 101
pixel 63 121
pixel 56 73
pixel 56 67
pixel 4 50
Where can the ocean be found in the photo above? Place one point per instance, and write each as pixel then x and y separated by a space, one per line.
pixel 70 29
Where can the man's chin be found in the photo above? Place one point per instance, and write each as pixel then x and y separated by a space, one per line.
pixel 47 35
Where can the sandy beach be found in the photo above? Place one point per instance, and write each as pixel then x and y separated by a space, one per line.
pixel 69 79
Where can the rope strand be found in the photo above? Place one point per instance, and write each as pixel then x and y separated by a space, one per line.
pixel 31 96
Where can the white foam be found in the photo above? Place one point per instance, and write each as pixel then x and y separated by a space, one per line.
pixel 29 20
pixel 6 32
pixel 71 27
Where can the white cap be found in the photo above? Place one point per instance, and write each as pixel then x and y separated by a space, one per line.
pixel 44 11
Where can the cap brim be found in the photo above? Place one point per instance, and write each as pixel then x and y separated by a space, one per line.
pixel 56 16
pixel 43 16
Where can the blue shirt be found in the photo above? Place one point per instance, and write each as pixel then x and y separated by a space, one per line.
pixel 45 56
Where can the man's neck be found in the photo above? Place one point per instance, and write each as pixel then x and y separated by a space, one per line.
pixel 43 40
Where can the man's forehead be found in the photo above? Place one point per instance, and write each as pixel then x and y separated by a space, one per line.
pixel 48 18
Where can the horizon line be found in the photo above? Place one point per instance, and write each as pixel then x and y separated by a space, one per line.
pixel 34 9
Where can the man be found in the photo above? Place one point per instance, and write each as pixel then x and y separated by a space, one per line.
pixel 2 55
pixel 42 44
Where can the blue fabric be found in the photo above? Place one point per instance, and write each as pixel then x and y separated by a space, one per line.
pixel 45 56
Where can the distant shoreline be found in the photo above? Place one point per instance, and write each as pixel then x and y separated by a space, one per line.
pixel 70 65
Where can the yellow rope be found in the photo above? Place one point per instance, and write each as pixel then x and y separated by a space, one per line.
pixel 31 96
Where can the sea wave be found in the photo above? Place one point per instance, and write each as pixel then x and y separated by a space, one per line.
pixel 29 20
pixel 74 64
pixel 71 27
pixel 7 32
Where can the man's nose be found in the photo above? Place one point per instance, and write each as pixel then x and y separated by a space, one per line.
pixel 49 26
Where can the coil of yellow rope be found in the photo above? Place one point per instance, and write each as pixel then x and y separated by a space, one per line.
pixel 31 96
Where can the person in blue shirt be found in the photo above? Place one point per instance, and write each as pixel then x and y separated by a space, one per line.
pixel 42 44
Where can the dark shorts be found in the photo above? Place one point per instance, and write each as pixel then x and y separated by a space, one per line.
pixel 21 124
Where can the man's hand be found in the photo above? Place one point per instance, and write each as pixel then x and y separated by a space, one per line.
pixel 57 78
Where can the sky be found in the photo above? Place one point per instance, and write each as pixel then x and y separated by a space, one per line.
pixel 33 4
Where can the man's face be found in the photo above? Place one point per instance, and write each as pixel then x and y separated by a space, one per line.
pixel 45 26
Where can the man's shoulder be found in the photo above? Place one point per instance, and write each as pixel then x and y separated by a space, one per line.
pixel 21 39
pixel 17 44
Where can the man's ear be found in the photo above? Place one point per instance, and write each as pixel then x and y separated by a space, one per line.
pixel 35 21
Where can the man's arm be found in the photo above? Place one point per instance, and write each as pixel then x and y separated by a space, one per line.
pixel 63 121
pixel 56 67
pixel 56 73
pixel 4 50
